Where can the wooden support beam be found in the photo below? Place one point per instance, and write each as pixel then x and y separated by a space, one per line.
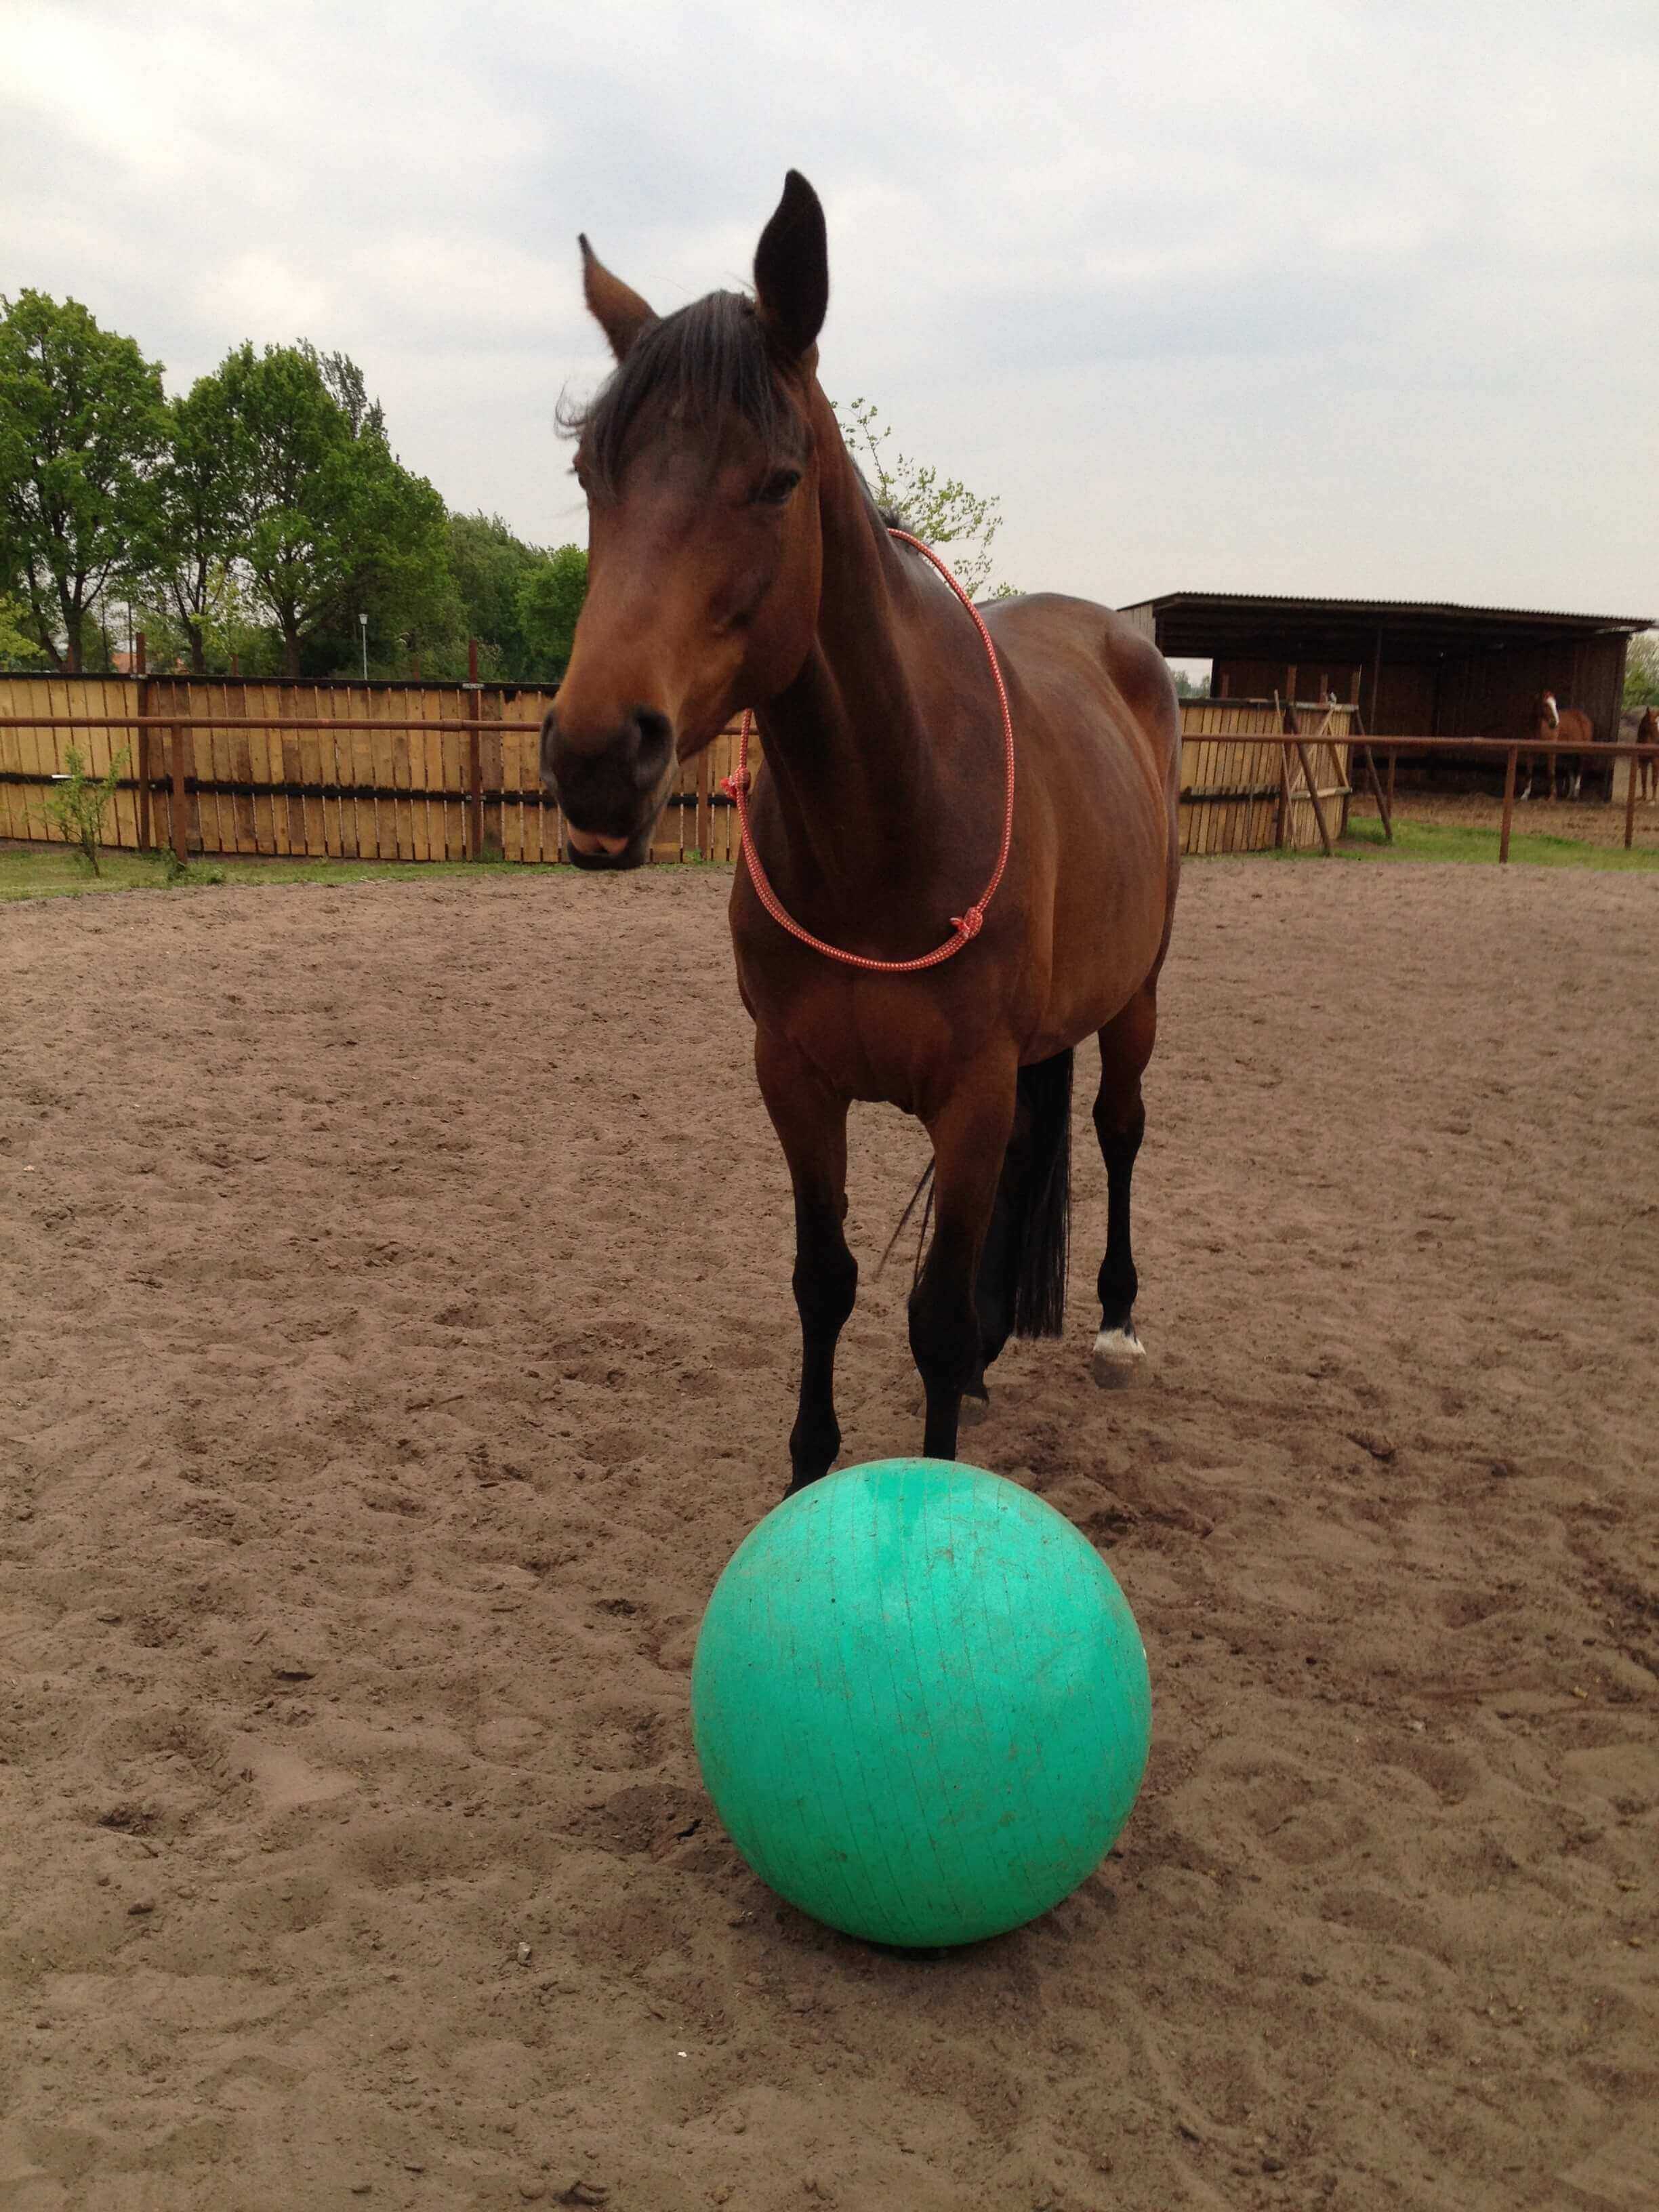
pixel 1383 807
pixel 1509 804
pixel 1318 805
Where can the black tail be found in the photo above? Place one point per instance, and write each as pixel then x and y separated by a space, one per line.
pixel 1030 1252
pixel 1041 1227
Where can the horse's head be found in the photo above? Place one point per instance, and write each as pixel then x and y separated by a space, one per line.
pixel 1548 711
pixel 704 553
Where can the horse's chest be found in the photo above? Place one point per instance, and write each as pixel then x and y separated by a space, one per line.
pixel 888 1040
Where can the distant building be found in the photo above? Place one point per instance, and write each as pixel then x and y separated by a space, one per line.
pixel 1414 668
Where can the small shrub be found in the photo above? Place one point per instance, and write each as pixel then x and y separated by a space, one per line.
pixel 79 806
pixel 175 872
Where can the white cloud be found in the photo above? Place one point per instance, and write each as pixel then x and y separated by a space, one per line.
pixel 1280 294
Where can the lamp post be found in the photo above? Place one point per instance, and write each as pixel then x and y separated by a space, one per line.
pixel 363 624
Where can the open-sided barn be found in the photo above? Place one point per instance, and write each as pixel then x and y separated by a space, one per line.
pixel 1413 668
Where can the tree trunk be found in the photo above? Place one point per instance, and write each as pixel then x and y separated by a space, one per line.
pixel 290 651
pixel 198 649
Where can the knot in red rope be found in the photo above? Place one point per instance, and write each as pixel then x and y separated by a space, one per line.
pixel 736 786
pixel 968 926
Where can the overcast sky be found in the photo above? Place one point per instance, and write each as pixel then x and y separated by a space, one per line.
pixel 1344 298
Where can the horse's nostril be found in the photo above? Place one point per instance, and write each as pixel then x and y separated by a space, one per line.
pixel 656 743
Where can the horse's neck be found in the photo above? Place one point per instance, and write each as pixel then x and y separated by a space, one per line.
pixel 850 742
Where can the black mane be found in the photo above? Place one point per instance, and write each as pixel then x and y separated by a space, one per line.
pixel 707 359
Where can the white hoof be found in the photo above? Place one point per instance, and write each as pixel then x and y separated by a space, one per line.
pixel 1119 1358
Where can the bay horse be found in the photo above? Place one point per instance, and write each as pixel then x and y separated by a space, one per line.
pixel 738 560
pixel 1548 724
pixel 1647 733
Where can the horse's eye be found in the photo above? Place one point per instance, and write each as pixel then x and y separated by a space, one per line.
pixel 777 487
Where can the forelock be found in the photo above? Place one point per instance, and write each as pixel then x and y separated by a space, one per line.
pixel 703 362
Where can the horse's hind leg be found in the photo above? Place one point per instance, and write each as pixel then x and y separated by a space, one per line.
pixel 1126 1047
pixel 811 1125
pixel 993 1289
pixel 971 1134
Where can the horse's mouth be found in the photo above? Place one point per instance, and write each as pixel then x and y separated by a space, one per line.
pixel 589 849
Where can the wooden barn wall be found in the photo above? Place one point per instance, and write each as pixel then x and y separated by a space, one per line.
pixel 1485 693
pixel 1235 677
pixel 1477 692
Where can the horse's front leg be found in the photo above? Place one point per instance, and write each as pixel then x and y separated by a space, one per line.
pixel 811 1120
pixel 970 1136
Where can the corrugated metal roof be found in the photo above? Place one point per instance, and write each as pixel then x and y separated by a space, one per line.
pixel 1451 608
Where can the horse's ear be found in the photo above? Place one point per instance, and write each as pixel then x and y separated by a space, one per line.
pixel 616 307
pixel 792 270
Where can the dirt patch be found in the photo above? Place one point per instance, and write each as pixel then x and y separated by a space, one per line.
pixel 398 1343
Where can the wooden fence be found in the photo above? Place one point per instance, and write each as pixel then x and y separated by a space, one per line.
pixel 435 772
pixel 1241 796
pixel 354 771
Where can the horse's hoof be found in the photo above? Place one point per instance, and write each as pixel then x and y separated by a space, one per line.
pixel 1119 1358
pixel 975 1408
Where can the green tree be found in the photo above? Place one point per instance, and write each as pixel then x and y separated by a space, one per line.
pixel 83 426
pixel 550 599
pixel 940 510
pixel 1642 670
pixel 18 648
pixel 201 508
pixel 229 621
pixel 490 566
pixel 332 521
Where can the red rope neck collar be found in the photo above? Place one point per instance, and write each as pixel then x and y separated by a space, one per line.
pixel 964 926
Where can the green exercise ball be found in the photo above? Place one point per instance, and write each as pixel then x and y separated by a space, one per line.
pixel 919 1703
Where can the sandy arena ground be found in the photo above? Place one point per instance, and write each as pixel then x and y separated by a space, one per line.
pixel 397 1341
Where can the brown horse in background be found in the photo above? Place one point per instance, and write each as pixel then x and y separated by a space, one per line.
pixel 1647 733
pixel 736 560
pixel 1549 725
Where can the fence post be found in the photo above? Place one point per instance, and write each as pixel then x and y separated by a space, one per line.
pixel 140 666
pixel 474 756
pixel 180 809
pixel 705 785
pixel 1509 804
pixel 1630 805
pixel 1347 772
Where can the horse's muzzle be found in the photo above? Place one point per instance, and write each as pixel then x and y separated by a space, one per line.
pixel 611 787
